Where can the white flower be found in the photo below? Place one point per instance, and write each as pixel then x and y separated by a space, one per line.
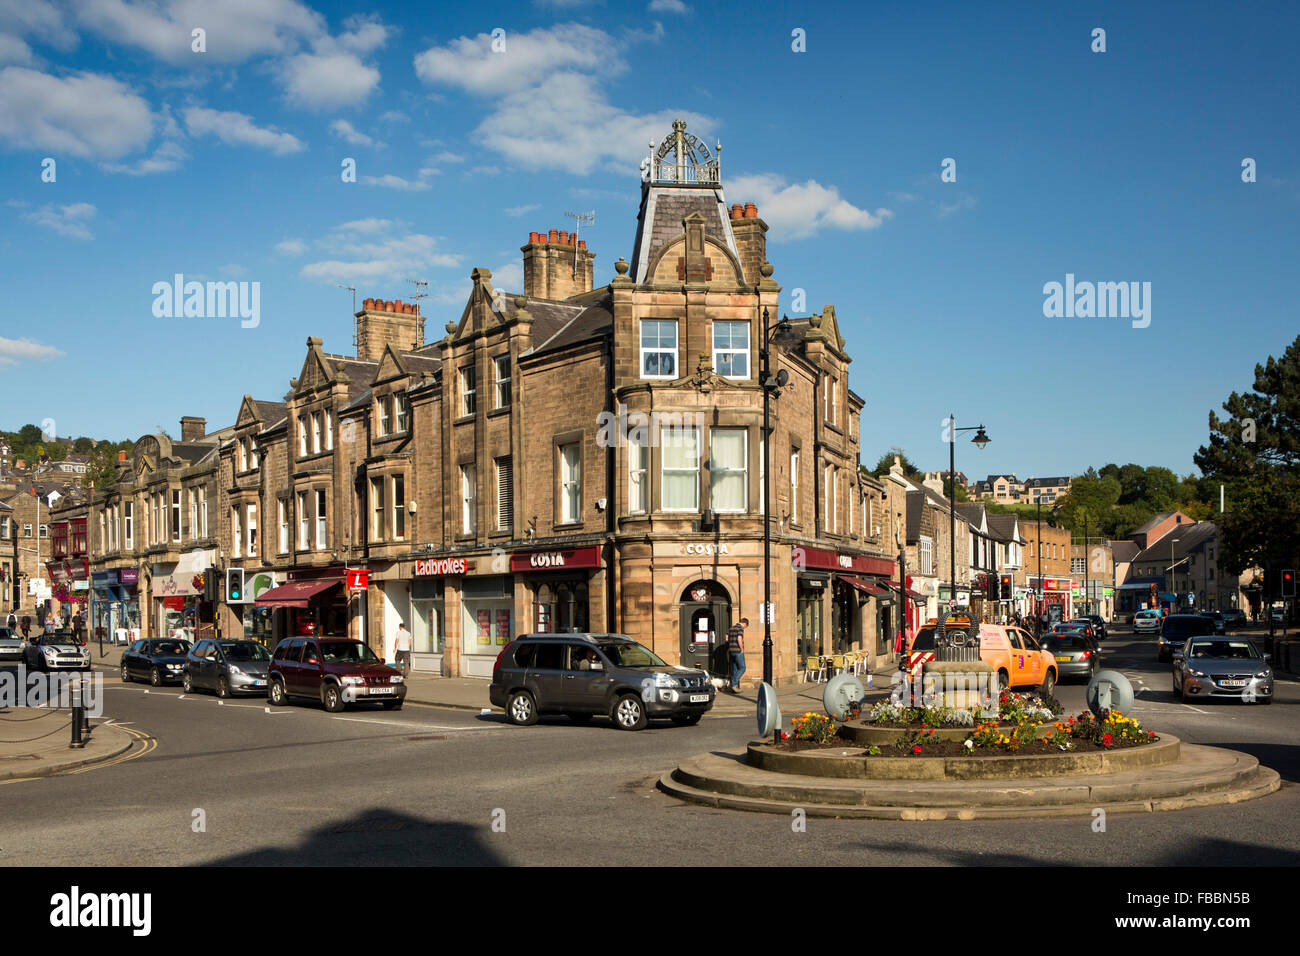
pixel 969 745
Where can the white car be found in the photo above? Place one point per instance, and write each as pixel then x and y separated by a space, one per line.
pixel 50 653
pixel 1146 622
pixel 11 645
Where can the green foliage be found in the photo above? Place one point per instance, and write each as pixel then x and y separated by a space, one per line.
pixel 1255 452
pixel 887 460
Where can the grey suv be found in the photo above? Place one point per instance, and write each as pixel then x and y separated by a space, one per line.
pixel 585 674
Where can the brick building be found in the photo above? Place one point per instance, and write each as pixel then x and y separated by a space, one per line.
pixel 564 457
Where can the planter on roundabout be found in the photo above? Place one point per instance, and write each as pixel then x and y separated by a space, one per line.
pixel 953 745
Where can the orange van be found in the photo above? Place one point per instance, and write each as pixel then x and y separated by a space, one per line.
pixel 1012 652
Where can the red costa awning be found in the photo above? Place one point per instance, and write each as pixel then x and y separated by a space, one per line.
pixel 863 585
pixel 295 593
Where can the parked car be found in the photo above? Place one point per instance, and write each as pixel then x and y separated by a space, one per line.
pixel 11 645
pixel 226 667
pixel 1084 625
pixel 1012 652
pixel 334 670
pixel 157 660
pixel 1076 654
pixel 1220 626
pixel 50 651
pixel 1177 628
pixel 1222 667
pixel 1146 622
pixel 581 675
pixel 1234 618
pixel 1098 623
pixel 1277 614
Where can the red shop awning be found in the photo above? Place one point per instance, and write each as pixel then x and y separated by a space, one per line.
pixel 914 595
pixel 863 585
pixel 296 593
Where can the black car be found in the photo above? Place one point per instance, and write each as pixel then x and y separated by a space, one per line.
pixel 1220 624
pixel 157 660
pixel 1076 653
pixel 226 667
pixel 582 675
pixel 1176 629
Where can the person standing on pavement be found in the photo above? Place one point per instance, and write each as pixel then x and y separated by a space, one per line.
pixel 77 625
pixel 402 647
pixel 736 651
pixel 12 622
pixel 27 626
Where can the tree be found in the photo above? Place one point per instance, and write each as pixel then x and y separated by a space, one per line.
pixel 948 490
pixel 887 461
pixel 1090 499
pixel 83 446
pixel 29 435
pixel 1255 453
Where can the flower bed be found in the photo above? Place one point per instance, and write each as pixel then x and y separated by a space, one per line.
pixel 1020 728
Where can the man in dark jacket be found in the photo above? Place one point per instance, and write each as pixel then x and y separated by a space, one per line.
pixel 736 651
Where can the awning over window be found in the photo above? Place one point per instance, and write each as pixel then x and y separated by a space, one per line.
pixel 914 595
pixel 864 585
pixel 296 594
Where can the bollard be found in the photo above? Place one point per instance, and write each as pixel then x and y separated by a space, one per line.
pixel 77 716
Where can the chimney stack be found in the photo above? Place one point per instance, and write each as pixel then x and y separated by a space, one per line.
pixel 751 240
pixel 381 323
pixel 555 268
pixel 193 428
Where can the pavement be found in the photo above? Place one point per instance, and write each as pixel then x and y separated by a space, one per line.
pixel 35 742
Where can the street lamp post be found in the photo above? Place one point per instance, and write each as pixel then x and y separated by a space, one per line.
pixel 980 440
pixel 1039 502
pixel 769 384
pixel 1173 594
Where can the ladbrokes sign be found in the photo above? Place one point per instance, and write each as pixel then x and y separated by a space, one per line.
pixel 440 566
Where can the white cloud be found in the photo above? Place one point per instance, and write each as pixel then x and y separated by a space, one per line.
pixel 552 110
pixel 70 220
pixel 961 204
pixel 800 210
pixel 374 249
pixel 318 81
pixel 521 210
pixel 14 50
pixel 341 127
pixel 166 157
pixel 291 247
pixel 470 63
pixel 363 34
pixel 446 157
pixel 87 115
pixel 237 129
pixel 668 6
pixel 37 18
pixel 236 29
pixel 389 181
pixel 509 277
pixel 27 350
pixel 394 116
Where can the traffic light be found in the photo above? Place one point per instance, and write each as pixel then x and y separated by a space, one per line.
pixel 1288 582
pixel 234 585
pixel 1006 587
pixel 211 584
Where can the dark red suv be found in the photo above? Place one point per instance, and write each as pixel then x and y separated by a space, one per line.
pixel 334 670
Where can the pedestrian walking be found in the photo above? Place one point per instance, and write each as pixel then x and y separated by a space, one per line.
pixel 402 647
pixel 27 626
pixel 736 650
pixel 40 616
pixel 12 622
pixel 77 625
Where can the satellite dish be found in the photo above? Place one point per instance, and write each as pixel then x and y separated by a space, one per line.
pixel 769 713
pixel 842 692
pixel 1109 690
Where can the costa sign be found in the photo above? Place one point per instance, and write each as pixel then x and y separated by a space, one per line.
pixel 556 560
pixel 436 567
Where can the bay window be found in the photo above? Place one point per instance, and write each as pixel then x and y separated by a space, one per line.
pixel 680 480
pixel 728 469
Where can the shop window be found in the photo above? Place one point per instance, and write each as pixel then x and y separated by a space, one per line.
pixel 561 607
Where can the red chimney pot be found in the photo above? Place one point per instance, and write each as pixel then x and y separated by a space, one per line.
pixel 751 211
pixel 553 236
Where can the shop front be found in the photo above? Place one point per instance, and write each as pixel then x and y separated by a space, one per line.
pixel 178 590
pixel 311 602
pixel 557 584
pixel 420 604
pixel 487 622
pixel 844 590
pixel 1057 599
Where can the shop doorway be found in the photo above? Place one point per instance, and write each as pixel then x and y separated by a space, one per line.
pixel 705 618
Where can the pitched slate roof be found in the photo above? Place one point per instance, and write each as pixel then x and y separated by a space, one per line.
pixel 1191 537
pixel 659 221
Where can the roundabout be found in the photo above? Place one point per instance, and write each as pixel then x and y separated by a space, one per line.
pixel 937 755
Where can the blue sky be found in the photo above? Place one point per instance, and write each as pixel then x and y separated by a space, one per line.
pixel 1117 166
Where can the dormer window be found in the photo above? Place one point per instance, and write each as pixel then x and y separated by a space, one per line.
pixel 403 413
pixel 468 390
pixel 385 405
pixel 731 349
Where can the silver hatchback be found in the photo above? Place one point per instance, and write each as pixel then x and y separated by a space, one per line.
pixel 1222 667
